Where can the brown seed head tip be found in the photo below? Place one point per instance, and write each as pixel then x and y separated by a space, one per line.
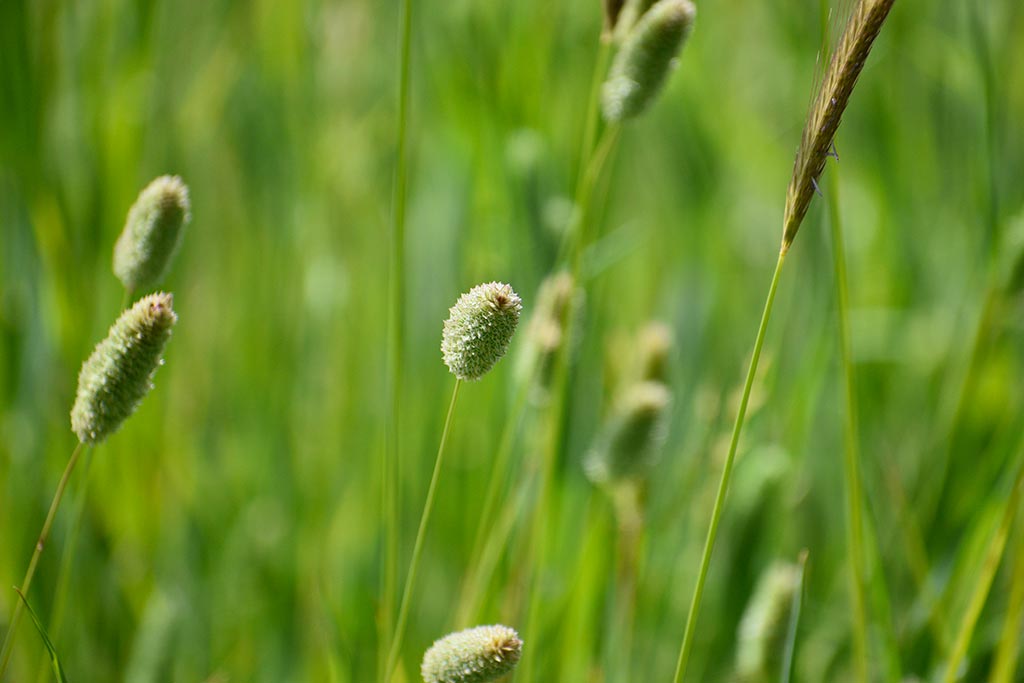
pixel 479 328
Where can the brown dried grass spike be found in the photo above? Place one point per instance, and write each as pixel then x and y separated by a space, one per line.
pixel 823 120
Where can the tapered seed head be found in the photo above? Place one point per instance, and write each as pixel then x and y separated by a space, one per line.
pixel 479 328
pixel 630 441
pixel 119 373
pixel 645 59
pixel 765 624
pixel 654 347
pixel 476 655
pixel 152 233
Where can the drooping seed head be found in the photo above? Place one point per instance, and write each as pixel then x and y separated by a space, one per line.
pixel 479 328
pixel 645 59
pixel 765 624
pixel 630 441
pixel 476 655
pixel 119 373
pixel 152 233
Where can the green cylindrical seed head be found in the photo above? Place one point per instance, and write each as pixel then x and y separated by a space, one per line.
pixel 629 444
pixel 654 346
pixel 152 233
pixel 479 328
pixel 645 58
pixel 119 373
pixel 762 632
pixel 557 299
pixel 476 655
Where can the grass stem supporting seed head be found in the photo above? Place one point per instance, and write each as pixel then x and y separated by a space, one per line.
pixel 152 233
pixel 827 110
pixel 646 58
pixel 119 373
pixel 479 328
pixel 476 655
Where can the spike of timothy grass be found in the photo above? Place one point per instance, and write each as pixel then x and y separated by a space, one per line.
pixel 476 655
pixel 629 444
pixel 557 298
pixel 827 110
pixel 646 58
pixel 119 373
pixel 763 630
pixel 152 233
pixel 654 346
pixel 479 328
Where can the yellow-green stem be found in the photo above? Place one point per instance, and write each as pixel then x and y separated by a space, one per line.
pixel 417 548
pixel 723 486
pixel 993 557
pixel 395 341
pixel 44 535
pixel 851 455
pixel 1005 667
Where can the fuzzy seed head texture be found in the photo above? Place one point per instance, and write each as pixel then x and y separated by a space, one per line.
pixel 762 632
pixel 479 328
pixel 630 441
pixel 645 59
pixel 119 373
pixel 476 655
pixel 152 233
pixel 654 348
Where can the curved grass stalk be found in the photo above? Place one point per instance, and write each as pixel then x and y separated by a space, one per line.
pixel 417 549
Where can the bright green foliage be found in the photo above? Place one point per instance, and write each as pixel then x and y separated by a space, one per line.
pixel 645 58
pixel 119 373
pixel 479 328
pixel 152 233
pixel 476 655
pixel 762 634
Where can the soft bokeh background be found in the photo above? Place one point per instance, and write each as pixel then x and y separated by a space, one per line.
pixel 231 529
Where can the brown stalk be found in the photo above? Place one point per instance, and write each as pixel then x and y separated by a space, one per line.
pixel 823 120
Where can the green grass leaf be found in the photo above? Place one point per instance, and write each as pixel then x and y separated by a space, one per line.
pixel 58 670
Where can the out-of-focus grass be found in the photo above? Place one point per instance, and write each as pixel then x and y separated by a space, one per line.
pixel 231 528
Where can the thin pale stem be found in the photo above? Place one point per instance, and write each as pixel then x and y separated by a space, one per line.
pixel 395 342
pixel 417 548
pixel 44 535
pixel 851 455
pixel 789 653
pixel 993 557
pixel 723 486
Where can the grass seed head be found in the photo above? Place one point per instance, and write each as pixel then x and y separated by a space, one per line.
pixel 476 655
pixel 152 233
pixel 765 624
pixel 629 444
pixel 119 373
pixel 645 59
pixel 557 299
pixel 827 111
pixel 654 347
pixel 479 328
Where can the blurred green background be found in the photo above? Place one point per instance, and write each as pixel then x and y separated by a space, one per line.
pixel 231 529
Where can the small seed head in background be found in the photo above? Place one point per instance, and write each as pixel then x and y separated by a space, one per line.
pixel 479 328
pixel 557 298
pixel 152 233
pixel 645 59
pixel 476 655
pixel 765 624
pixel 119 373
pixel 630 441
pixel 654 346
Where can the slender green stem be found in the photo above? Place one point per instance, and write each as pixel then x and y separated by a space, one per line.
pixel 627 499
pixel 391 467
pixel 851 459
pixel 993 557
pixel 417 548
pixel 1005 666
pixel 26 583
pixel 789 654
pixel 723 486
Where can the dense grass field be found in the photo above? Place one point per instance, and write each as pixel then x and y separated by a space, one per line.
pixel 235 529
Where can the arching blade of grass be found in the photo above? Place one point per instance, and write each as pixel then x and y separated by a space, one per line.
pixel 58 670
pixel 786 674
pixel 1008 651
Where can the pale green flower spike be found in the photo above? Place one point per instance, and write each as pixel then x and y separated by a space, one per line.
pixel 654 346
pixel 629 445
pixel 645 58
pixel 762 633
pixel 479 328
pixel 119 373
pixel 152 233
pixel 476 655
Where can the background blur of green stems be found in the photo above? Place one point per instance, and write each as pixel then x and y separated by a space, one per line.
pixel 231 528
